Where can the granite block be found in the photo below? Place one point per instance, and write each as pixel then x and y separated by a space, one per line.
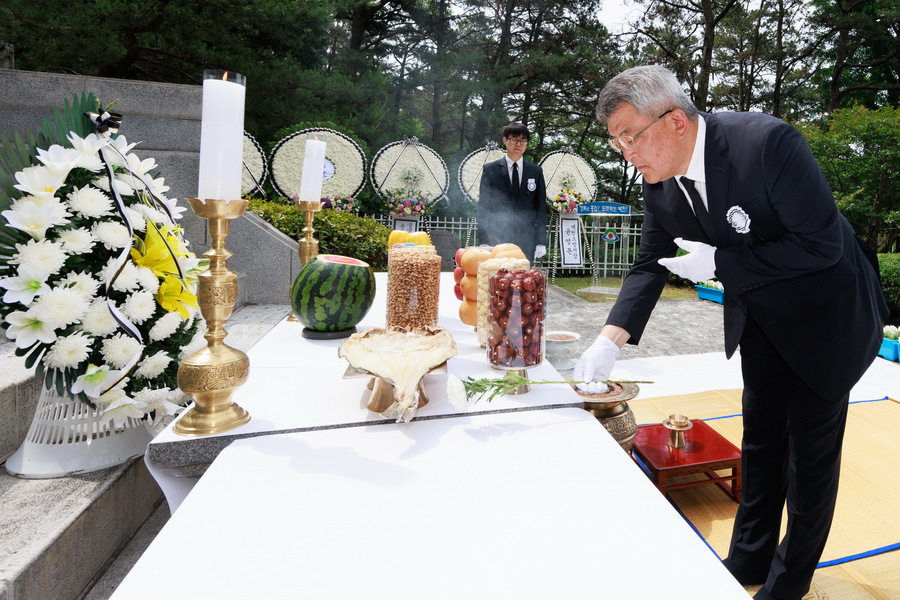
pixel 9 431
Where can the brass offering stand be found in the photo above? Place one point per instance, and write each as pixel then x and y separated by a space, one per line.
pixel 212 374
pixel 677 425
pixel 382 396
pixel 308 245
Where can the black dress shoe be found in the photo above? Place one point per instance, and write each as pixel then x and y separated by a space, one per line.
pixel 743 576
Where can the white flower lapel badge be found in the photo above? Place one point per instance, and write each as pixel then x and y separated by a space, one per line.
pixel 738 219
pixel 532 185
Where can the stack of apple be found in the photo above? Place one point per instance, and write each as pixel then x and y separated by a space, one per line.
pixel 466 275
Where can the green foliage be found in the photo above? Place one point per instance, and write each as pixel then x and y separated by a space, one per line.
pixel 890 283
pixel 859 151
pixel 338 232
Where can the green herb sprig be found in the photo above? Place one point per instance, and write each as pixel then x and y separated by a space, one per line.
pixel 488 388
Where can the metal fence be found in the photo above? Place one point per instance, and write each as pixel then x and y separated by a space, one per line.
pixel 609 242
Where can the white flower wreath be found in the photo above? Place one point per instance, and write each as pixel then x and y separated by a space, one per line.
pixel 470 169
pixel 98 286
pixel 255 167
pixel 345 163
pixel 566 171
pixel 410 165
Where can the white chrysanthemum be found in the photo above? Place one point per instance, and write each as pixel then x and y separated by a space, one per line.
pixel 194 345
pixel 68 351
pixel 44 255
pixel 123 188
pixel 90 202
pixel 127 280
pixel 153 366
pixel 76 241
pixel 136 218
pixel 98 321
pixel 456 392
pixel 165 326
pixel 112 234
pixel 88 148
pixel 83 282
pixel 62 306
pixel 119 349
pixel 147 280
pixel 140 306
pixel 162 401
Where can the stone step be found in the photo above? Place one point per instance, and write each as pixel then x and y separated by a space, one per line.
pixel 61 535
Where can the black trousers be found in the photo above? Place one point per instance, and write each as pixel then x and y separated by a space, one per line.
pixel 791 451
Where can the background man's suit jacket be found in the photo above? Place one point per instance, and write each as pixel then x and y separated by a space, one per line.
pixel 505 218
pixel 800 272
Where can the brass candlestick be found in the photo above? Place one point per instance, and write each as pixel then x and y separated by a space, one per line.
pixel 211 375
pixel 309 245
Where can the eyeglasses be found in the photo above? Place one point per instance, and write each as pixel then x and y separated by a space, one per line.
pixel 627 142
pixel 517 141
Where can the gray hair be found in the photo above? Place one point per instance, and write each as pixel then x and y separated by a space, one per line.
pixel 651 90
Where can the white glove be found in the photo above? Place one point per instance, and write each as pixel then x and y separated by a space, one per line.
pixel 698 265
pixel 539 251
pixel 595 365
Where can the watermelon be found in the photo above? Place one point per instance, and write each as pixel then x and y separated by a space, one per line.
pixel 331 294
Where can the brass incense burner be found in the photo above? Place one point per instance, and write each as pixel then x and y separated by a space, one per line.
pixel 612 410
pixel 212 374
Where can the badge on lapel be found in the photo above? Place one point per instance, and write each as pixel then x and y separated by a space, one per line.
pixel 738 219
pixel 532 185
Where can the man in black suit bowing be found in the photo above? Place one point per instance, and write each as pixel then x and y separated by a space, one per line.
pixel 743 195
pixel 512 198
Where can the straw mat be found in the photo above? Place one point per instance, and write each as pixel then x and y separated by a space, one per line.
pixel 862 557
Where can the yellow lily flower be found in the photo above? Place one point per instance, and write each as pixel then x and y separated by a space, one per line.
pixel 173 296
pixel 154 253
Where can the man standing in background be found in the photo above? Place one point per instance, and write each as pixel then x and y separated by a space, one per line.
pixel 512 198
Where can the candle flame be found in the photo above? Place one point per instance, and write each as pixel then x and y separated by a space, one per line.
pixel 225 76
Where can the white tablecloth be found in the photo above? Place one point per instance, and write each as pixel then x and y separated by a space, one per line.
pixel 537 504
pixel 297 383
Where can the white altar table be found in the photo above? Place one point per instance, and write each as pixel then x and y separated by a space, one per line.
pixel 530 504
pixel 297 384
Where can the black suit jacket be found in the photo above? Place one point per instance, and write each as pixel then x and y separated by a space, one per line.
pixel 507 218
pixel 800 272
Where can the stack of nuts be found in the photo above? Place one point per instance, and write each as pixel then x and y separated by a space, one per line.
pixel 516 318
pixel 414 278
pixel 485 270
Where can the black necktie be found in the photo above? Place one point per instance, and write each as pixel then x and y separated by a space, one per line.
pixel 515 178
pixel 699 208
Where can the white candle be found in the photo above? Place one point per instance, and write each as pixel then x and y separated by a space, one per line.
pixel 313 171
pixel 222 136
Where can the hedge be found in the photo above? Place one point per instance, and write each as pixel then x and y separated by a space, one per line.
pixel 338 232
